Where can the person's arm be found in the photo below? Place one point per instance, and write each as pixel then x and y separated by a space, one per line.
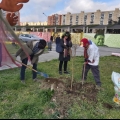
pixel 70 43
pixel 91 56
pixel 18 52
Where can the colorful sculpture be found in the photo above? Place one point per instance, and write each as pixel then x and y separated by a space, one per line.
pixel 6 32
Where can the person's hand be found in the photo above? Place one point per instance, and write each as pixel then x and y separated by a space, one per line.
pixel 93 61
pixel 12 5
pixel 85 63
pixel 14 57
pixel 12 18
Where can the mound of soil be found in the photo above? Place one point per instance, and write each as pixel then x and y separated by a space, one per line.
pixel 66 94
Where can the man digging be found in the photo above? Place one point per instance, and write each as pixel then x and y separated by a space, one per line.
pixel 91 55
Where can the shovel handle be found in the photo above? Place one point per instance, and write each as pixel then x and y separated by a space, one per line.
pixel 27 66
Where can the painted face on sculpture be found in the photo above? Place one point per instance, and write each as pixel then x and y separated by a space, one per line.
pixel 12 5
pixel 100 39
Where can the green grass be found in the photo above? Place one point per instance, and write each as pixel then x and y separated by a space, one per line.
pixel 19 101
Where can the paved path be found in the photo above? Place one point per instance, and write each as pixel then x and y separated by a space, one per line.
pixel 104 51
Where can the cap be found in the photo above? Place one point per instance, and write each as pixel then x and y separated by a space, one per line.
pixel 83 42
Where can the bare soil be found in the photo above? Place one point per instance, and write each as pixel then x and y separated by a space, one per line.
pixel 65 94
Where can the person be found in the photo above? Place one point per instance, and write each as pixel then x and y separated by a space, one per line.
pixel 51 38
pixel 91 55
pixel 99 39
pixel 37 48
pixel 50 43
pixel 64 56
pixel 57 39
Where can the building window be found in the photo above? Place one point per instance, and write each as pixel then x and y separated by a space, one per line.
pixel 110 15
pixel 71 20
pixel 92 18
pixel 101 22
pixel 63 19
pixel 102 16
pixel 77 19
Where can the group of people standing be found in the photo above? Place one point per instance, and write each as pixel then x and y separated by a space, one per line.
pixel 91 57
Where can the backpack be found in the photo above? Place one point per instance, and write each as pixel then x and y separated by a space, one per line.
pixel 59 48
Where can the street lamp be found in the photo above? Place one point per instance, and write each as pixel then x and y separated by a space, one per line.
pixel 45 14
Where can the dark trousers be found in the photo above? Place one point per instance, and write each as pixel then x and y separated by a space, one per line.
pixel 61 64
pixel 95 72
pixel 23 68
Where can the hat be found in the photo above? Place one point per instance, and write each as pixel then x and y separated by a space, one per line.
pixel 66 34
pixel 83 42
pixel 43 43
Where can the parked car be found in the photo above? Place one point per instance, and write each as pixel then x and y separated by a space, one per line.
pixel 28 37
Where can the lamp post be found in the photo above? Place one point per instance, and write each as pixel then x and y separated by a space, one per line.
pixel 46 16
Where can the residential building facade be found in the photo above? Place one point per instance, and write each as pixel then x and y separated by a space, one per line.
pixel 90 18
pixel 54 19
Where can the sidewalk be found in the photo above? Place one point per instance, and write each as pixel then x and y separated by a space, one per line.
pixel 42 58
pixel 104 51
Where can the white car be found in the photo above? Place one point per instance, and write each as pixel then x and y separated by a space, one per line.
pixel 28 37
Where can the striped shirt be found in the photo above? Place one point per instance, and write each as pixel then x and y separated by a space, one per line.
pixel 36 49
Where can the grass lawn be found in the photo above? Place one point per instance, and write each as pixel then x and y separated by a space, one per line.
pixel 18 101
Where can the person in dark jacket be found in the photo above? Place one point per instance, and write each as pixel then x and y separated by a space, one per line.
pixel 64 56
pixel 57 39
pixel 36 48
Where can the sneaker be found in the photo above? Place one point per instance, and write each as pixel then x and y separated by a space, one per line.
pixel 98 87
pixel 22 81
pixel 66 72
pixel 35 79
pixel 60 72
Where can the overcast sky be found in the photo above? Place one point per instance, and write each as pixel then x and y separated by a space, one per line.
pixel 34 9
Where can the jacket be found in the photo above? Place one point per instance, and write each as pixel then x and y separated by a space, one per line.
pixel 93 54
pixel 30 45
pixel 67 46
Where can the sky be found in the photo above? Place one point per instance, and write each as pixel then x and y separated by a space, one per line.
pixel 33 10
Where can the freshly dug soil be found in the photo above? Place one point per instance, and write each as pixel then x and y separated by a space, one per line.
pixel 65 94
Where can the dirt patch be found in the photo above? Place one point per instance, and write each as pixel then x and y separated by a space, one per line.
pixel 65 94
pixel 108 106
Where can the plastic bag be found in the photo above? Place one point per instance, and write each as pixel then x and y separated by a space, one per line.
pixel 116 80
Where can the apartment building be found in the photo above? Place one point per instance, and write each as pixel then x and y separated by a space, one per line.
pixel 17 13
pixel 54 19
pixel 86 18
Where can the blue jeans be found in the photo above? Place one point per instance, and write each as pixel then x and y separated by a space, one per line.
pixel 23 68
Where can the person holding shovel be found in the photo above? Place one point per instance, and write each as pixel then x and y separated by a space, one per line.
pixel 91 55
pixel 37 48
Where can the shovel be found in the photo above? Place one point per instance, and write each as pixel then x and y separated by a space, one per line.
pixel 83 74
pixel 40 73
